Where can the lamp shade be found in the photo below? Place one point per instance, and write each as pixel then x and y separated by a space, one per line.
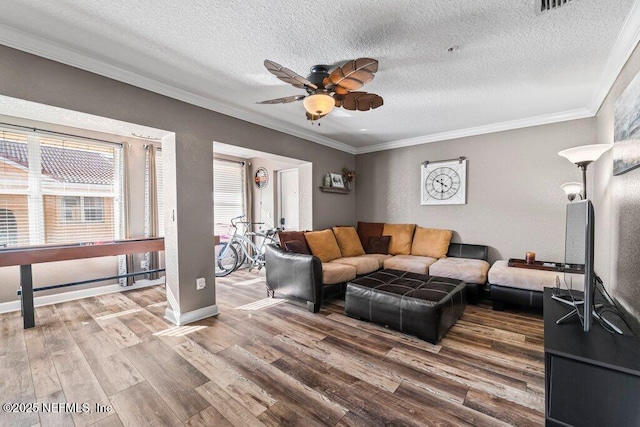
pixel 319 104
pixel 585 153
pixel 572 188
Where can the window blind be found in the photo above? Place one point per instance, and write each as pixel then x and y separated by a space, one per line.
pixel 160 193
pixel 228 192
pixel 14 190
pixel 79 190
pixel 58 191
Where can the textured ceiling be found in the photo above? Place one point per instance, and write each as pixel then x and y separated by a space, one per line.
pixel 512 68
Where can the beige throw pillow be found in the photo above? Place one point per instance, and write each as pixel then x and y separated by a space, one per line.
pixel 323 244
pixel 401 235
pixel 431 242
pixel 348 241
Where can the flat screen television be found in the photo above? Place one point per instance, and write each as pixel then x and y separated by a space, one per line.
pixel 579 250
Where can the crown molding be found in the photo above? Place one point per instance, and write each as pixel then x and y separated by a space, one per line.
pixel 480 130
pixel 50 50
pixel 622 49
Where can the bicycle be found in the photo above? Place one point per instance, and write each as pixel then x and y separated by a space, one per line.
pixel 232 254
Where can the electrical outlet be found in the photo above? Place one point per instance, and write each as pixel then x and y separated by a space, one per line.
pixel 143 264
pixel 200 283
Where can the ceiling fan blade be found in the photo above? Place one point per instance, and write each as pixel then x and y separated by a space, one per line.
pixel 361 101
pixel 354 74
pixel 284 100
pixel 341 90
pixel 288 76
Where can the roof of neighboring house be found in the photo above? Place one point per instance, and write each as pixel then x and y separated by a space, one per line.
pixel 64 164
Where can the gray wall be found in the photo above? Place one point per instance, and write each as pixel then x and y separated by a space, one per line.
pixel 617 206
pixel 514 200
pixel 40 80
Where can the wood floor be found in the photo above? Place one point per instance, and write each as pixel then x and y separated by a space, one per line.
pixel 270 365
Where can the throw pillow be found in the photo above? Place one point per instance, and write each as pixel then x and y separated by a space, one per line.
pixel 287 236
pixel 378 245
pixel 297 247
pixel 348 241
pixel 401 235
pixel 366 230
pixel 431 242
pixel 323 244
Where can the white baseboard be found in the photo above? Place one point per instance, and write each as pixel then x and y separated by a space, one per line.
pixel 7 307
pixel 191 316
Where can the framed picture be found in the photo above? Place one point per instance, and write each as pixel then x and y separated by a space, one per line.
pixel 336 180
pixel 626 148
pixel 444 183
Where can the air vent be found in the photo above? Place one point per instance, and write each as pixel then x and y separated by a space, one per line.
pixel 546 5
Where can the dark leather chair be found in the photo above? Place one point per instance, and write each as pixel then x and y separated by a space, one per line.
pixel 294 275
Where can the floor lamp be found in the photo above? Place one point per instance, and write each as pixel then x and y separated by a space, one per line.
pixel 583 156
pixel 572 190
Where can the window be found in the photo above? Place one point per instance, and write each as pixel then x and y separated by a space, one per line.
pixel 93 209
pixel 70 210
pixel 228 190
pixel 82 209
pixel 160 193
pixel 59 191
pixel 153 193
pixel 14 190
pixel 8 228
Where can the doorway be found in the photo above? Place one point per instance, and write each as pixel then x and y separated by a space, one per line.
pixel 288 199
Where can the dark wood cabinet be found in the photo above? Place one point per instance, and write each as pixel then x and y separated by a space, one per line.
pixel 592 378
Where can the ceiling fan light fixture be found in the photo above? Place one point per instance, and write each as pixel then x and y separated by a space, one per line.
pixel 319 104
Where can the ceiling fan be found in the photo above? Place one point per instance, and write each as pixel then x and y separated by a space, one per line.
pixel 326 90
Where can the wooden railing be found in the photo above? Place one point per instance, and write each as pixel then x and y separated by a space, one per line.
pixel 26 256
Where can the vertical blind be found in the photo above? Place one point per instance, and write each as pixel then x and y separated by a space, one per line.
pixel 58 191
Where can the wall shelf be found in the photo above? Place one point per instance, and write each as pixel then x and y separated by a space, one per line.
pixel 334 190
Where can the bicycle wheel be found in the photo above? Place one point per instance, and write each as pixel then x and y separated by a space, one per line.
pixel 242 258
pixel 226 259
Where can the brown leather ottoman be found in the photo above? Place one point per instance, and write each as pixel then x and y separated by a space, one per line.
pixel 417 304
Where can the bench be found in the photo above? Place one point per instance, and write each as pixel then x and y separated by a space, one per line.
pixel 417 304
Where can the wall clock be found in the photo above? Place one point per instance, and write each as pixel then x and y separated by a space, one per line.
pixel 444 182
pixel 261 178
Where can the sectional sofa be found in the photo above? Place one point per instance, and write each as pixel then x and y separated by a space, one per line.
pixel 315 265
